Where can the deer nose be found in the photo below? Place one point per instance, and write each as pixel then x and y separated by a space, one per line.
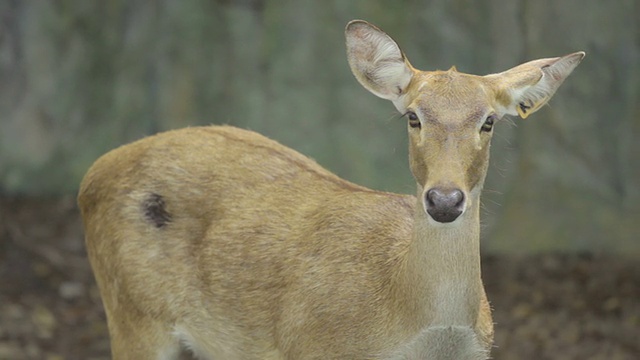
pixel 444 205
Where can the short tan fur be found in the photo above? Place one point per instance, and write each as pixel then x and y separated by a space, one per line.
pixel 219 241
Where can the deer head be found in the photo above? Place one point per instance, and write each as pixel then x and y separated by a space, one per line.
pixel 450 114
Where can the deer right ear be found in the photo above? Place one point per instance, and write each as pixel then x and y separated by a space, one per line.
pixel 377 61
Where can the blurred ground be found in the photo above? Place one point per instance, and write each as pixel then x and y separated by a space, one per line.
pixel 546 306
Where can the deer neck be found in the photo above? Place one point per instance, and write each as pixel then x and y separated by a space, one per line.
pixel 442 272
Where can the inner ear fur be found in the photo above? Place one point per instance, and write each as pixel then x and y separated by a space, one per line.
pixel 376 60
pixel 525 88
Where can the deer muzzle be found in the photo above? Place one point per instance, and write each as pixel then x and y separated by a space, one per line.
pixel 444 205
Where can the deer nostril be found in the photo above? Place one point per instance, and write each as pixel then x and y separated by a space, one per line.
pixel 431 196
pixel 457 197
pixel 444 205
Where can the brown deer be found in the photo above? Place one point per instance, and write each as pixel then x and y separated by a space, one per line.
pixel 224 243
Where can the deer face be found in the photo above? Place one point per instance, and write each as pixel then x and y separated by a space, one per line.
pixel 450 114
pixel 450 121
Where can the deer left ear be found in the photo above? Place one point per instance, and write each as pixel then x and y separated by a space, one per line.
pixel 523 89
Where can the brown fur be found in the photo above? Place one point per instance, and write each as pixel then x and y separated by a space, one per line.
pixel 223 242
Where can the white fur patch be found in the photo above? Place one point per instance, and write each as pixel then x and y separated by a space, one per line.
pixel 444 342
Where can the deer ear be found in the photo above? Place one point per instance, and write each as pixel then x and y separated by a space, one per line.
pixel 376 60
pixel 523 89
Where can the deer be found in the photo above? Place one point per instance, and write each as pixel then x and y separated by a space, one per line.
pixel 220 243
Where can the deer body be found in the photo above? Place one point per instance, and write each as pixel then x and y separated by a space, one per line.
pixel 223 242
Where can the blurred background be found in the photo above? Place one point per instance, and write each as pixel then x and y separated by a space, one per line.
pixel 561 207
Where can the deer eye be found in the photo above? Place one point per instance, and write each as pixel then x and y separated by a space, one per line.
pixel 414 122
pixel 488 123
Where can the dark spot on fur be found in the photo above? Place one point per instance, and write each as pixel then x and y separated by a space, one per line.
pixel 154 209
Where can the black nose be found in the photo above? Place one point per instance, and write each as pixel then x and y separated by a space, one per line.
pixel 444 205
